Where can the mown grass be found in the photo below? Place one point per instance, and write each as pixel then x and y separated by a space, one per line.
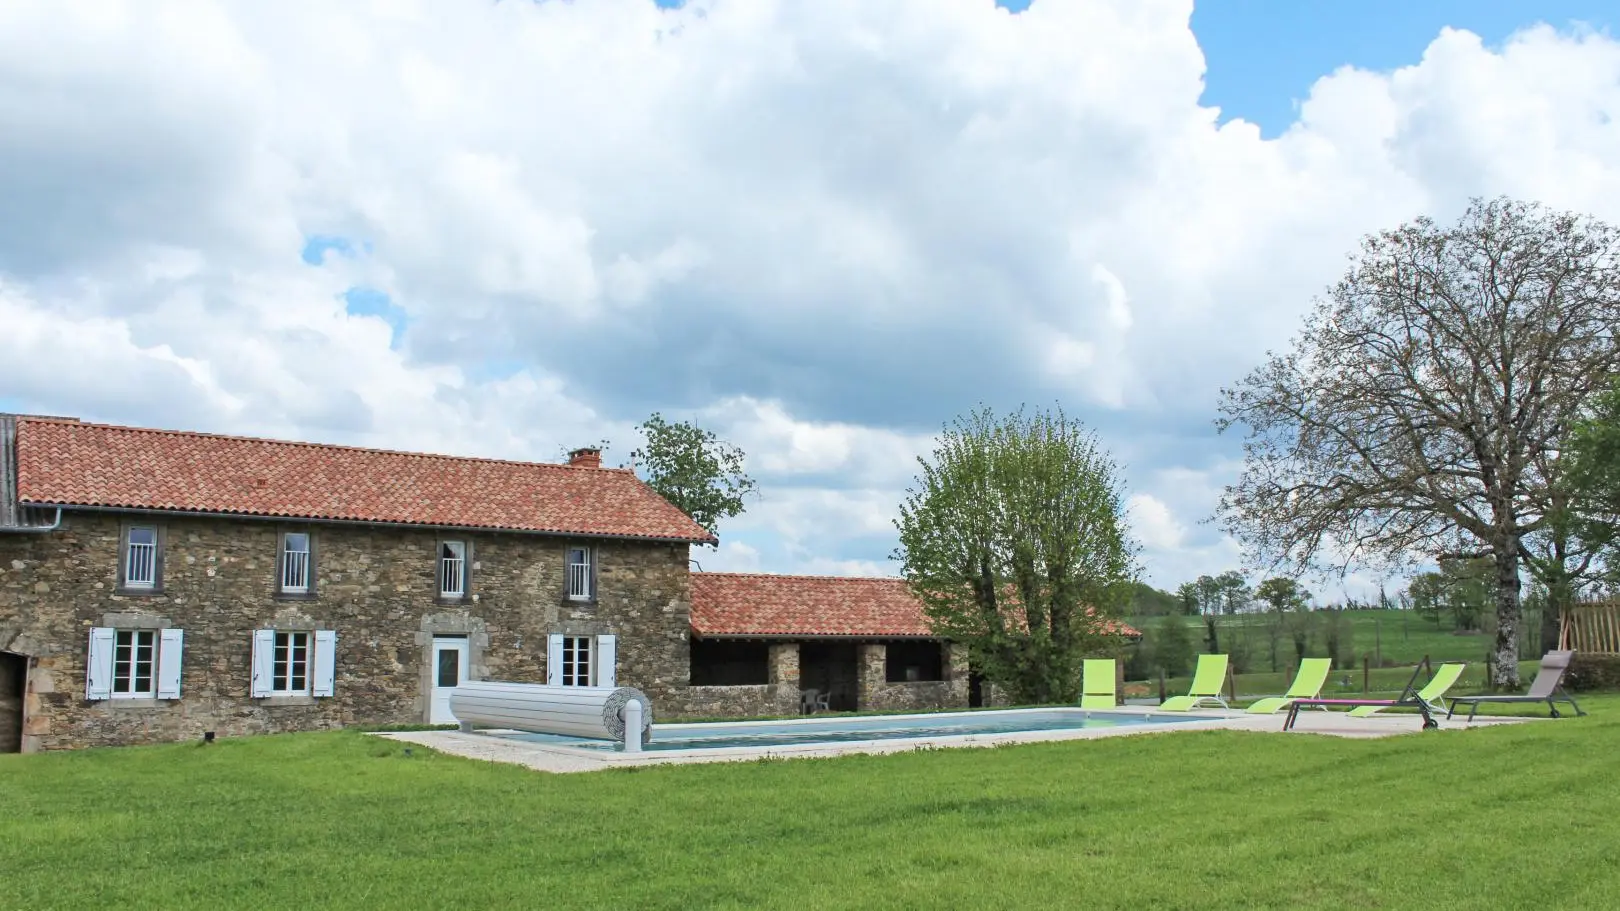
pixel 1522 816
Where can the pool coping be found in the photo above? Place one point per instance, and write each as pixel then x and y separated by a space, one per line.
pixel 562 758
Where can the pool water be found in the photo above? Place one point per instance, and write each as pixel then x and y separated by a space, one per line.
pixel 722 735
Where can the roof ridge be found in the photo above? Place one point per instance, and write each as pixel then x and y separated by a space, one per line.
pixel 197 434
pixel 800 576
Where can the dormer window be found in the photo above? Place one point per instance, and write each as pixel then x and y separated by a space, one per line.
pixel 581 574
pixel 140 557
pixel 453 569
pixel 296 574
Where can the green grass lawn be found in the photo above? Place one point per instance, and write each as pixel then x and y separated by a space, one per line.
pixel 1525 816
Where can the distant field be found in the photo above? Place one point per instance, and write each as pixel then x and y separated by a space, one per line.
pixel 1399 637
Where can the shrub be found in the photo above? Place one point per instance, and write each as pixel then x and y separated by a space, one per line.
pixel 1593 672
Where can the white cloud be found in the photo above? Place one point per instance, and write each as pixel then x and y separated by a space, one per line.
pixel 825 227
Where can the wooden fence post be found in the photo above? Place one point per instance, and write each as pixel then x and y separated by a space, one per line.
pixel 1162 696
pixel 1231 684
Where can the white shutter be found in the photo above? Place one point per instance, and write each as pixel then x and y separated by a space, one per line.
pixel 171 644
pixel 325 662
pixel 606 657
pixel 264 658
pixel 98 664
pixel 554 659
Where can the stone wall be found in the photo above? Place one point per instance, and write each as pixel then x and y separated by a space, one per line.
pixel 773 700
pixel 877 694
pixel 375 586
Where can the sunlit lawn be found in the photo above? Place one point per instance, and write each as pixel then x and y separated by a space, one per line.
pixel 1519 816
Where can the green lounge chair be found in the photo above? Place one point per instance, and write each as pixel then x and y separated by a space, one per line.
pixel 1097 687
pixel 1444 678
pixel 1206 686
pixel 1308 683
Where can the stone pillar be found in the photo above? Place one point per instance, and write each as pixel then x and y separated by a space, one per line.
pixel 783 668
pixel 957 671
pixel 871 663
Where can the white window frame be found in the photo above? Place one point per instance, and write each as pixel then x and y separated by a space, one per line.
pixel 142 555
pixel 281 669
pixel 453 565
pixel 582 576
pixel 124 670
pixel 285 563
pixel 572 673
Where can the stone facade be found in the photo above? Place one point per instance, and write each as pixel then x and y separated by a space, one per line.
pixel 778 696
pixel 375 586
pixel 877 694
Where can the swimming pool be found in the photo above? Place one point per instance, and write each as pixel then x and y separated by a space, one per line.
pixel 758 734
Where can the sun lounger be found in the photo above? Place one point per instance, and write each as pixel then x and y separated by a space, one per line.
pixel 1408 697
pixel 1308 683
pixel 1444 677
pixel 1097 687
pixel 1208 678
pixel 1547 687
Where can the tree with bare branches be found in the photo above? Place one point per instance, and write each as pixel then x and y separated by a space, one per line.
pixel 1423 408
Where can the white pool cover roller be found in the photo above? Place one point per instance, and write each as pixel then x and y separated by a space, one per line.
pixel 575 711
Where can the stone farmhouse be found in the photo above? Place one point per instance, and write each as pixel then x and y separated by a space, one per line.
pixel 161 585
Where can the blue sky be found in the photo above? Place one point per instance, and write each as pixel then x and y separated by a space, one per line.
pixel 820 229
pixel 1263 55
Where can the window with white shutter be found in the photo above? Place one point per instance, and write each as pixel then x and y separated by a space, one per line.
pixel 325 663
pixel 134 663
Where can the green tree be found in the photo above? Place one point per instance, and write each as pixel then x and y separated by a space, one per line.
pixel 1172 646
pixel 693 469
pixel 1015 540
pixel 1290 616
pixel 1594 480
pixel 1423 409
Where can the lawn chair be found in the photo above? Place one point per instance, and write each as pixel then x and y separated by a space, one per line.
pixel 1308 683
pixel 1097 688
pixel 1208 678
pixel 1547 687
pixel 813 700
pixel 1408 697
pixel 1431 694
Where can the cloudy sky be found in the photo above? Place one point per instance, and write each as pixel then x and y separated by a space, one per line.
pixel 820 229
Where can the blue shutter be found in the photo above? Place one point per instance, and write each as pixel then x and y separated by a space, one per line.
pixel 98 664
pixel 171 644
pixel 606 658
pixel 554 659
pixel 325 662
pixel 264 657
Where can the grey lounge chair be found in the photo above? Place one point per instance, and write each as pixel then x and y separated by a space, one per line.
pixel 1547 687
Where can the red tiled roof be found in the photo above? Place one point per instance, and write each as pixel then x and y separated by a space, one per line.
pixel 759 604
pixel 69 463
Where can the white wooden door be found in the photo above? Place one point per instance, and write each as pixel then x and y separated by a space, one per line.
pixel 449 670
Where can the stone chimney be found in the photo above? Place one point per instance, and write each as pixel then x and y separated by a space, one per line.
pixel 588 457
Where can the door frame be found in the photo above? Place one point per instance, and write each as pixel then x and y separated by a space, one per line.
pixel 24 669
pixel 463 644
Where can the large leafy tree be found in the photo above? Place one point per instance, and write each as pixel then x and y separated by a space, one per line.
pixel 1594 484
pixel 1422 411
pixel 1014 538
pixel 693 469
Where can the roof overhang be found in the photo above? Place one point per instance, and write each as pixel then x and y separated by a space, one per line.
pixel 370 523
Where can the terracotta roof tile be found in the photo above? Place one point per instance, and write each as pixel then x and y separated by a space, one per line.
pixel 760 604
pixel 77 464
pixel 741 604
